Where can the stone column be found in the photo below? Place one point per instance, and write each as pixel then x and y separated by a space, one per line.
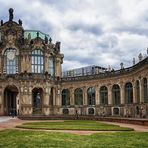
pixel 3 65
pixel 97 95
pixel 58 67
pixel 141 91
pixel 122 94
pixel 1 104
pixel 46 63
pixel 110 95
pixel 84 96
pixel 47 96
pixel 0 95
pixel 30 100
pixel 58 96
pixel 21 61
pixel 134 93
pixel 28 62
pixel 21 101
pixel 72 96
pixel 22 94
pixel 0 64
pixel 54 96
pixel 18 104
pixel 24 63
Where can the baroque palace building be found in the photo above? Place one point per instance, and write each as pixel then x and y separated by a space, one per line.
pixel 32 83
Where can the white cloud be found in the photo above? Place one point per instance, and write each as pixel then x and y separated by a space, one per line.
pixel 92 32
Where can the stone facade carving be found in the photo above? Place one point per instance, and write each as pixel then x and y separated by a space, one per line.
pixel 22 85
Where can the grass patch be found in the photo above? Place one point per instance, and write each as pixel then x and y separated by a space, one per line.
pixel 74 125
pixel 25 139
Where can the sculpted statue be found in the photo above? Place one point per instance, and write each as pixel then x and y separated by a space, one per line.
pixel 0 37
pixel 20 22
pixel 46 40
pixel 1 22
pixel 57 46
pixel 38 100
pixel 10 14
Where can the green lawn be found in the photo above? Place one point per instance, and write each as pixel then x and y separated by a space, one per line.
pixel 74 125
pixel 32 139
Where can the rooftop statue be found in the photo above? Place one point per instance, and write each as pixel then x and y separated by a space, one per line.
pixel 20 22
pixel 1 22
pixel 10 14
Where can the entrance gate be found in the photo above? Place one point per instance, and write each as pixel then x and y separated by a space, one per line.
pixel 10 103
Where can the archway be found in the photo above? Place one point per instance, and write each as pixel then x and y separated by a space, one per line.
pixel 37 97
pixel 10 101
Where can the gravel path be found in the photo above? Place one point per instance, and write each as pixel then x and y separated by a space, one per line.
pixel 137 128
pixel 11 123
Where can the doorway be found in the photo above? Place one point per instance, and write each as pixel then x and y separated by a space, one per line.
pixel 10 101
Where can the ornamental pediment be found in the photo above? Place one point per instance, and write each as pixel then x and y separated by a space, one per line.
pixel 11 33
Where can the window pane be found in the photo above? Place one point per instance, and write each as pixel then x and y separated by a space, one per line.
pixel 51 66
pixel 10 60
pixel 37 61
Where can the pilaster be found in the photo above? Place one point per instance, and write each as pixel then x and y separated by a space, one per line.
pixel 97 95
pixel 46 62
pixel 134 93
pixel 72 96
pixel 122 94
pixel 84 95
pixel 110 94
pixel 141 91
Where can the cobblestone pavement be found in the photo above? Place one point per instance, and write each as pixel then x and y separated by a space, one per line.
pixel 11 123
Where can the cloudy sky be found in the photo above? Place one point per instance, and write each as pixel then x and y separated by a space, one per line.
pixel 92 32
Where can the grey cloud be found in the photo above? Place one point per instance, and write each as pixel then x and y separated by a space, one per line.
pixel 92 32
pixel 94 29
pixel 132 30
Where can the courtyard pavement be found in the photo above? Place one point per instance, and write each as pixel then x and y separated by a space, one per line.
pixel 11 123
pixel 4 118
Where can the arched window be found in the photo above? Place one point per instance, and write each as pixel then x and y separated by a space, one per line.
pixel 104 95
pixel 78 94
pixel 65 97
pixel 128 93
pixel 137 92
pixel 51 66
pixel 116 94
pixel 10 61
pixel 91 96
pixel 145 89
pixel 37 61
